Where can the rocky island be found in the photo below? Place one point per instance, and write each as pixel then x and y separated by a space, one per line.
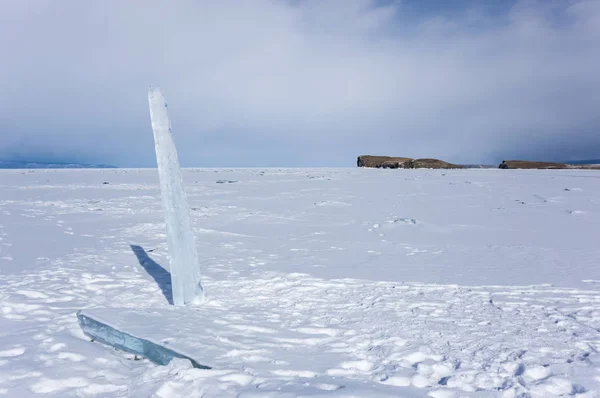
pixel 528 164
pixel 391 162
pixel 388 162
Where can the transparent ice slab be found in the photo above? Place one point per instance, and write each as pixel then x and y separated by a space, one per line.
pixel 183 256
pixel 100 329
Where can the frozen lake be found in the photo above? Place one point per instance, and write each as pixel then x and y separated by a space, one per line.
pixel 402 282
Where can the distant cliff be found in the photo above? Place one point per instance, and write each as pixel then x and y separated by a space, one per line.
pixel 528 164
pixel 388 162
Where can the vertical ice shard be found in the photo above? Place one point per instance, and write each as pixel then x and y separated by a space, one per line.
pixel 184 264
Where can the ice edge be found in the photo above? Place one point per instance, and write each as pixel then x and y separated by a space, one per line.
pixel 113 337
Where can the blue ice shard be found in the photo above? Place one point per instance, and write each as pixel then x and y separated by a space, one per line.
pixel 184 264
pixel 108 334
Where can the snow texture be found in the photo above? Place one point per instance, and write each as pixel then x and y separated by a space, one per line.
pixel 184 264
pixel 321 283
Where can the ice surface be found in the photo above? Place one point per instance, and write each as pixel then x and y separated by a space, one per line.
pixel 184 265
pixel 318 332
pixel 495 291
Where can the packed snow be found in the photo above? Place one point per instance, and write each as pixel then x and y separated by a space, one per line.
pixel 319 283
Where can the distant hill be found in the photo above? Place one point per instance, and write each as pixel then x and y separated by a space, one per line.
pixel 528 164
pixel 388 162
pixel 23 164
pixel 478 166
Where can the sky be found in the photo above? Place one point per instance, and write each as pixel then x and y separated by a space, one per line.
pixel 300 82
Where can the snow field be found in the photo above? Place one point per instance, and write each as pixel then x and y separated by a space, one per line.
pixel 474 283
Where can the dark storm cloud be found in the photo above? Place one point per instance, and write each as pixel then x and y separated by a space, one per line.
pixel 268 82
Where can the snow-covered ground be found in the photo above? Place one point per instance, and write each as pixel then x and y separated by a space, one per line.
pixel 319 282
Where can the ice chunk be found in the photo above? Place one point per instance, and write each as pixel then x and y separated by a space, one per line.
pixel 107 334
pixel 184 264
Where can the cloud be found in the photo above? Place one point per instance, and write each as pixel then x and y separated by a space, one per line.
pixel 304 82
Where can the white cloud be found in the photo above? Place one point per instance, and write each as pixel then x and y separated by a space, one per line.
pixel 315 81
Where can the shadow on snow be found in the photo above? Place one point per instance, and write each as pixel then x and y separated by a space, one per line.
pixel 161 276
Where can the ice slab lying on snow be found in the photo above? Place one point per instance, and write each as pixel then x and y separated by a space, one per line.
pixel 165 333
pixel 235 356
pixel 162 335
pixel 100 328
pixel 298 329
